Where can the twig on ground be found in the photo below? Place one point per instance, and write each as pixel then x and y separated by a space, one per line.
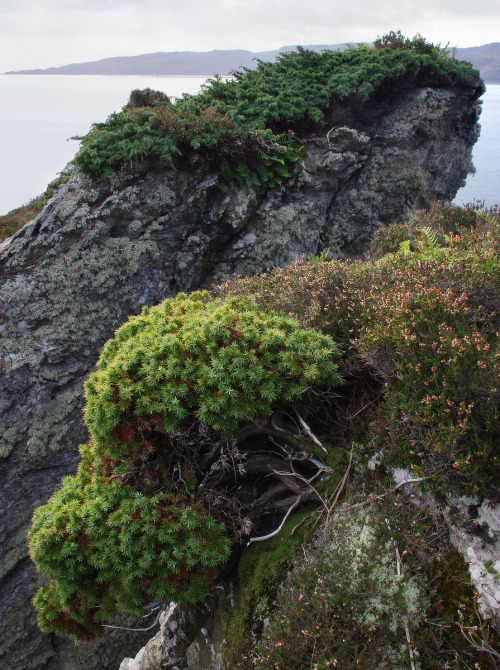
pixel 484 646
pixel 342 484
pixel 308 431
pixel 407 481
pixel 263 538
pixel 405 617
pixel 138 629
pixel 350 418
pixel 306 518
pixel 303 479
pixel 383 495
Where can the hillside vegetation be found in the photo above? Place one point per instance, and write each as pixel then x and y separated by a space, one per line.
pixel 247 126
pixel 214 416
pixel 11 222
pixel 423 315
pixel 381 585
pixel 160 498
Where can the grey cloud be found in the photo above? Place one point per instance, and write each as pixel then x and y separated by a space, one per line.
pixel 55 32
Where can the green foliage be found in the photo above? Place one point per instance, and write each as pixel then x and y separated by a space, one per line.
pixel 395 40
pixel 426 321
pixel 11 222
pixel 246 125
pixel 323 255
pixel 221 362
pixel 128 527
pixel 258 577
pixel 63 178
pixel 147 98
pixel 343 605
pixel 106 547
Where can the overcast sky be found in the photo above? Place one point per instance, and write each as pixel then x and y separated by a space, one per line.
pixel 47 33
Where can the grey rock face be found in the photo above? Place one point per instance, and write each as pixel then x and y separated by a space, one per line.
pixel 99 252
pixel 176 646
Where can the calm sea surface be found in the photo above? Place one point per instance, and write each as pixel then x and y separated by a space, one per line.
pixel 485 183
pixel 38 113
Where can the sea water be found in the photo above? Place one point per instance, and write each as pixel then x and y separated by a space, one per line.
pixel 484 185
pixel 40 113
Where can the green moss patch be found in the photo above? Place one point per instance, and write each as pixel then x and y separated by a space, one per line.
pixel 258 576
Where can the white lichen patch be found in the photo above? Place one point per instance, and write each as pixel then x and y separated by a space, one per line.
pixel 475 531
pixel 393 598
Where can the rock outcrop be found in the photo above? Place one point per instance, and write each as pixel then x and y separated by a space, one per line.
pixel 100 251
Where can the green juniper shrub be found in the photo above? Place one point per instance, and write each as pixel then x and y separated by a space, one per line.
pixel 106 547
pixel 247 126
pixel 129 527
pixel 61 179
pixel 222 362
pixel 425 319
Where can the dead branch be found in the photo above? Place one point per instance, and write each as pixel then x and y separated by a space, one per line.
pixel 308 431
pixel 342 484
pixel 405 617
pixel 263 538
pixel 138 629
pixel 484 646
pixel 307 482
pixel 371 499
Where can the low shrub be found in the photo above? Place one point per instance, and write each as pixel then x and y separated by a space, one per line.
pixel 11 222
pixel 425 318
pixel 136 523
pixel 345 604
pixel 14 220
pixel 380 587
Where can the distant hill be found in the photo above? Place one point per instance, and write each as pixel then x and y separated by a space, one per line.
pixel 485 58
pixel 201 63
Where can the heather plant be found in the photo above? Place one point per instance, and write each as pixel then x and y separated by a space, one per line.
pixel 247 126
pixel 395 40
pixel 178 395
pixel 424 319
pixel 11 222
pixel 380 587
pixel 346 603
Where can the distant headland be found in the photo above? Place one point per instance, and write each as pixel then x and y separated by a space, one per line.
pixel 485 58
